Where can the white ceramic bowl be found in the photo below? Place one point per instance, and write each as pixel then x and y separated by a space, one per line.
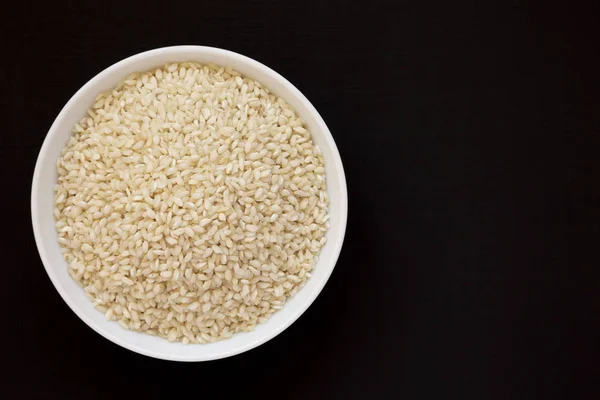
pixel 42 204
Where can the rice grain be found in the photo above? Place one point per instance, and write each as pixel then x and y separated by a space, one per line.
pixel 191 203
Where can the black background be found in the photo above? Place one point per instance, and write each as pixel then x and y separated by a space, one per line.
pixel 468 135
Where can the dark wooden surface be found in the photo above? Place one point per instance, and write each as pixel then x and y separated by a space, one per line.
pixel 468 133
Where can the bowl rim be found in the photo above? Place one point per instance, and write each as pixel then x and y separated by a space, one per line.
pixel 174 50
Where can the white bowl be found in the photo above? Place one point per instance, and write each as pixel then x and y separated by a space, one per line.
pixel 42 205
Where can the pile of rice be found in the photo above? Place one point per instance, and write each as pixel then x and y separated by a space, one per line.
pixel 191 203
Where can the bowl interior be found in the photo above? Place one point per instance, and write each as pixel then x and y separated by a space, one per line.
pixel 43 199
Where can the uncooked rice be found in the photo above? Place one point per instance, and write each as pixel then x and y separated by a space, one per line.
pixel 191 203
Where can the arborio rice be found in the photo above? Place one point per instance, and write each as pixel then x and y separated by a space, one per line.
pixel 191 203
